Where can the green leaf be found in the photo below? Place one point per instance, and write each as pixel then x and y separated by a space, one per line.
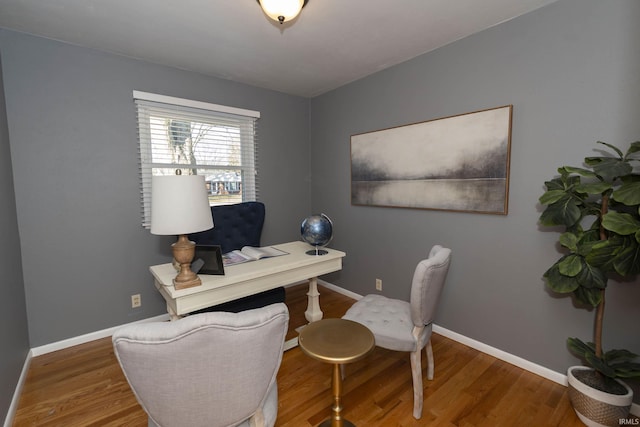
pixel 603 252
pixel 559 283
pixel 633 148
pixel 620 223
pixel 592 235
pixel 554 184
pixel 586 243
pixel 609 168
pixel 593 187
pixel 564 212
pixel 600 366
pixel 627 370
pixel 624 362
pixel 570 265
pixel 591 277
pixel 589 297
pixel 551 197
pixel 628 193
pixel 580 348
pixel 615 356
pixel 627 261
pixel 569 240
pixel 568 181
pixel 614 363
pixel 580 171
pixel 613 147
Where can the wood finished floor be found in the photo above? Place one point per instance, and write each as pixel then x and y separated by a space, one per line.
pixel 84 386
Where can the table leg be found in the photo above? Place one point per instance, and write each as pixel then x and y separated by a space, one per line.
pixel 172 314
pixel 336 419
pixel 313 313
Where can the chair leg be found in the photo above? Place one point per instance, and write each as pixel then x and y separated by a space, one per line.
pixel 430 364
pixel 416 374
pixel 258 419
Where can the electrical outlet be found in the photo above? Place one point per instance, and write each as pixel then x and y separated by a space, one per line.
pixel 136 301
pixel 378 284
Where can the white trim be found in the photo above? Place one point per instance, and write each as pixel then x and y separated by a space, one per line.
pixel 484 348
pixel 60 345
pixel 503 355
pixel 339 290
pixel 495 352
pixel 289 344
pixel 164 99
pixel 13 407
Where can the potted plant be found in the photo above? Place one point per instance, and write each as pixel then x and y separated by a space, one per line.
pixel 598 209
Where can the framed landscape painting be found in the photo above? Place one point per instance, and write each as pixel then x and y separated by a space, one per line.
pixel 457 163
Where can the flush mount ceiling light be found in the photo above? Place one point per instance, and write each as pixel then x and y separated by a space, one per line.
pixel 282 10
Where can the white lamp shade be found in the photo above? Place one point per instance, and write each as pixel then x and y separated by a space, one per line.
pixel 288 9
pixel 179 205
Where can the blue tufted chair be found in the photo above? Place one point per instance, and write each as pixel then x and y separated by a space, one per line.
pixel 235 226
pixel 406 326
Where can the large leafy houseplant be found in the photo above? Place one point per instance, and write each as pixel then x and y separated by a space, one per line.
pixel 599 209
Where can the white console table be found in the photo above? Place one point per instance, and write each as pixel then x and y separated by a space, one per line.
pixel 250 278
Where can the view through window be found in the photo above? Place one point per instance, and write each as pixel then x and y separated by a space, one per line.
pixel 197 138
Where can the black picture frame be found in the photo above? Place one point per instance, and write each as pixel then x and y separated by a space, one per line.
pixel 208 260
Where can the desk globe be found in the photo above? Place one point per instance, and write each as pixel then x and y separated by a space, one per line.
pixel 317 230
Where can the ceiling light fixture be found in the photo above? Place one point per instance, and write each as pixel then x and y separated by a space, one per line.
pixel 282 10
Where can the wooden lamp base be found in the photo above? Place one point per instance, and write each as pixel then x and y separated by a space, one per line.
pixel 183 252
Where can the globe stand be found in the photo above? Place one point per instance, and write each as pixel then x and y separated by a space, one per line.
pixel 317 230
pixel 317 252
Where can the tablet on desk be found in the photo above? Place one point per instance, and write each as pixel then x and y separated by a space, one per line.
pixel 208 260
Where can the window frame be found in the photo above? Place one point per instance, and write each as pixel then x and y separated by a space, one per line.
pixel 247 119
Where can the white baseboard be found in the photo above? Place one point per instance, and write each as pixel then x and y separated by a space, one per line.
pixel 60 345
pixel 288 345
pixel 487 349
pixel 339 290
pixel 13 407
pixel 495 352
pixel 503 355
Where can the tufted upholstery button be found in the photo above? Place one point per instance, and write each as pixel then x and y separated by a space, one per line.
pixel 390 320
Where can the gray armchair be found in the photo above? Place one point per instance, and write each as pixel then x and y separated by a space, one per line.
pixel 210 369
pixel 406 326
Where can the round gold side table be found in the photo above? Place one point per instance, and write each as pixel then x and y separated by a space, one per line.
pixel 336 341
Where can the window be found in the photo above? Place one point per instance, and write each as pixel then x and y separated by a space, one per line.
pixel 197 138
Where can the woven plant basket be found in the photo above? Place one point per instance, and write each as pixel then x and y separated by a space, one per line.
pixel 596 408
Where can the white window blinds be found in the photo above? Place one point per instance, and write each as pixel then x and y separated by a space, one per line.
pixel 197 138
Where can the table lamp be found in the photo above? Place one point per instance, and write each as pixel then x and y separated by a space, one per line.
pixel 179 206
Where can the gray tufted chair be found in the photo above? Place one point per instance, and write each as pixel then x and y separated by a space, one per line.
pixel 212 369
pixel 406 326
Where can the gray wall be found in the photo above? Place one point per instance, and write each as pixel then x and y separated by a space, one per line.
pixel 74 150
pixel 14 334
pixel 571 72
